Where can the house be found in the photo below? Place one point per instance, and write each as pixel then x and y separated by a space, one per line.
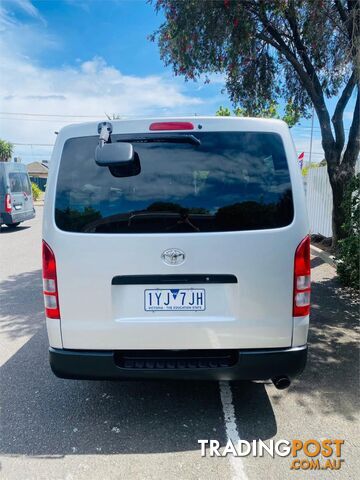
pixel 38 173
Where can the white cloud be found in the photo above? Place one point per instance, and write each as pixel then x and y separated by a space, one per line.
pixel 90 88
pixel 28 8
pixel 83 5
pixel 25 6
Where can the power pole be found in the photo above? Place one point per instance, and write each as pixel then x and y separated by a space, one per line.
pixel 311 135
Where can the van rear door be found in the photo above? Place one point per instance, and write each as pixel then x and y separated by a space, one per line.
pixel 20 190
pixel 195 251
pixel 16 192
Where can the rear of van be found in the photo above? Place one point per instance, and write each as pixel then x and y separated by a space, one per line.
pixel 194 263
pixel 16 201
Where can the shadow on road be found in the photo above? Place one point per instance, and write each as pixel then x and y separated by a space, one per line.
pixel 13 230
pixel 22 307
pixel 316 262
pixel 330 383
pixel 46 416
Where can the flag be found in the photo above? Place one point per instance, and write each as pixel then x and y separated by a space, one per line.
pixel 301 159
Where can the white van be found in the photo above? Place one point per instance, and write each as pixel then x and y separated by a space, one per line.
pixel 176 248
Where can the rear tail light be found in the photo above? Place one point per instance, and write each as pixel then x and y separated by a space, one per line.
pixel 302 281
pixel 171 126
pixel 8 203
pixel 50 290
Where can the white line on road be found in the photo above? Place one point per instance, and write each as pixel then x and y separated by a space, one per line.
pixel 231 430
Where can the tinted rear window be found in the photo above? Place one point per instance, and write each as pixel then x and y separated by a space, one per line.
pixel 19 183
pixel 233 181
pixel 26 183
pixel 15 182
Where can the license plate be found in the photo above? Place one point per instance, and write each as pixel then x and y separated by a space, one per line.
pixel 175 299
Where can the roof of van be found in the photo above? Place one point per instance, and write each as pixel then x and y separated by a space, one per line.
pixel 142 125
pixel 13 167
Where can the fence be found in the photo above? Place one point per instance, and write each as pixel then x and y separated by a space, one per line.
pixel 319 200
pixel 40 182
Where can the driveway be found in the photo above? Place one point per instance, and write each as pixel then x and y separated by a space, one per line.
pixel 71 430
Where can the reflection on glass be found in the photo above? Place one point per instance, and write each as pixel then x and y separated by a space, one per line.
pixel 232 181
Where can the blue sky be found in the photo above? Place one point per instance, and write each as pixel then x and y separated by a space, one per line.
pixel 77 57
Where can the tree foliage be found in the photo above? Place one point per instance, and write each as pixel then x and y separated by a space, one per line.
pixel 348 254
pixel 6 150
pixel 300 51
pixel 291 116
pixel 258 45
pixel 35 190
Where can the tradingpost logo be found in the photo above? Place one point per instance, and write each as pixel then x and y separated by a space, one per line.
pixel 309 454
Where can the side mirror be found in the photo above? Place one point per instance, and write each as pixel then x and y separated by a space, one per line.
pixel 119 154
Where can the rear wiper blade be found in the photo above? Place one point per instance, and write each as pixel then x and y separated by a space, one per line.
pixel 163 138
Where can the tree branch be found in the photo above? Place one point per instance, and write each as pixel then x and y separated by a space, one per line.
pixel 353 146
pixel 337 118
pixel 307 77
pixel 342 13
pixel 278 43
pixel 350 18
pixel 290 15
pixel 347 14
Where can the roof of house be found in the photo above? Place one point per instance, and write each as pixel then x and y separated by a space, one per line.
pixel 37 168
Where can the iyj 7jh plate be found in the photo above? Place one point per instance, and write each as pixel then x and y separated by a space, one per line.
pixel 174 299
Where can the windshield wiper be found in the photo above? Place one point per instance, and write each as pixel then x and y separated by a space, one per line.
pixel 179 219
pixel 163 138
pixel 182 218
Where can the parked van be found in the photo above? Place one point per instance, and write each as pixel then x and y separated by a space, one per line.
pixel 176 248
pixel 16 202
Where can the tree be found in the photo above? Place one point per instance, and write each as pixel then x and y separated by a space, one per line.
pixel 348 254
pixel 6 150
pixel 291 115
pixel 303 51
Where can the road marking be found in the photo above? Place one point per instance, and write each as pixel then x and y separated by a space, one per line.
pixel 232 433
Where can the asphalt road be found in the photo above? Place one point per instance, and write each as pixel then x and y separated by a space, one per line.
pixel 52 428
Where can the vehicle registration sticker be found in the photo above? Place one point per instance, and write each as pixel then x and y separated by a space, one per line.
pixel 174 299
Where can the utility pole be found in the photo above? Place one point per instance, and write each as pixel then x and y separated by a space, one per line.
pixel 311 135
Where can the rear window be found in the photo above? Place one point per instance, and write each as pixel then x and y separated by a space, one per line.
pixel 26 183
pixel 19 183
pixel 233 181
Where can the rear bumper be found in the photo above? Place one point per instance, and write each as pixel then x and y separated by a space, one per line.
pixel 15 217
pixel 249 365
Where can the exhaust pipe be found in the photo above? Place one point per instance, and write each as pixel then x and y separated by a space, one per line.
pixel 281 382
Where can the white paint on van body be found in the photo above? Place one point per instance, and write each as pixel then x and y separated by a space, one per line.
pixel 254 313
